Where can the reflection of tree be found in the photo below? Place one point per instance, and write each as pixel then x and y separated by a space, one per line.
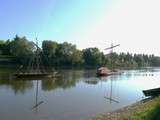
pixel 89 73
pixel 92 82
pixel 17 85
pixel 48 85
pixel 67 80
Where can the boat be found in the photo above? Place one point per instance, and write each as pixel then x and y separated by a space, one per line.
pixel 152 92
pixel 103 71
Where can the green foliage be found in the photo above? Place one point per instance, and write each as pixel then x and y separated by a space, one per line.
pixel 132 61
pixel 49 51
pixel 155 113
pixel 49 48
pixel 93 57
pixel 22 49
pixel 67 55
pixel 64 54
pixel 4 47
pixel 77 58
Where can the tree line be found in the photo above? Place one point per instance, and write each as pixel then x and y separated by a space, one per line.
pixel 67 55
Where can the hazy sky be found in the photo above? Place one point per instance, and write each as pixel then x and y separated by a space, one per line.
pixel 135 24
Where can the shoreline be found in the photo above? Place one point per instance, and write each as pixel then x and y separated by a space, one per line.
pixel 136 111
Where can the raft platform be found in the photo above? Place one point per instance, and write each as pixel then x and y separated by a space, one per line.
pixel 31 75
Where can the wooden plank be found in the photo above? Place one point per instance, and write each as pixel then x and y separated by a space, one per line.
pixel 152 92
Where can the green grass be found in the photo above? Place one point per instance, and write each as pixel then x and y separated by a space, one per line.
pixel 155 113
pixel 148 111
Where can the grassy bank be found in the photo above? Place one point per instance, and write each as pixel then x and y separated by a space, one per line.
pixel 143 110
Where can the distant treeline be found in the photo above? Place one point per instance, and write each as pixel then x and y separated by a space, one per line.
pixel 67 55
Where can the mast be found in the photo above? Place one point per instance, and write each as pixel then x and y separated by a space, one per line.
pixel 111 56
pixel 111 53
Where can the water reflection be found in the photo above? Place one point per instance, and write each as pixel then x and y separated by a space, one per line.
pixel 109 94
pixel 92 82
pixel 48 85
pixel 37 102
pixel 18 86
pixel 77 95
pixel 69 79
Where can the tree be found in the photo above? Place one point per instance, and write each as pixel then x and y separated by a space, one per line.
pixel 49 49
pixel 93 57
pixel 64 54
pixel 5 47
pixel 77 58
pixel 67 55
pixel 22 49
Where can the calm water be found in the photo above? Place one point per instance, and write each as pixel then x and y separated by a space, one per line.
pixel 78 95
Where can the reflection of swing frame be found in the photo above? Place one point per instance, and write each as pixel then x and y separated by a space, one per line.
pixel 110 97
pixel 37 103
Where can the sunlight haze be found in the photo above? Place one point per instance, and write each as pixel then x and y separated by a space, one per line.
pixel 134 24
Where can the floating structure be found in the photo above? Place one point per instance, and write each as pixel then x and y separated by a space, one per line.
pixel 36 68
pixel 104 71
pixel 152 92
pixel 22 75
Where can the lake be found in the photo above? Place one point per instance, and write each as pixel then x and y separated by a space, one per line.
pixel 77 95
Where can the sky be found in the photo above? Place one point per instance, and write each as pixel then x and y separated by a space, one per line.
pixel 134 24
